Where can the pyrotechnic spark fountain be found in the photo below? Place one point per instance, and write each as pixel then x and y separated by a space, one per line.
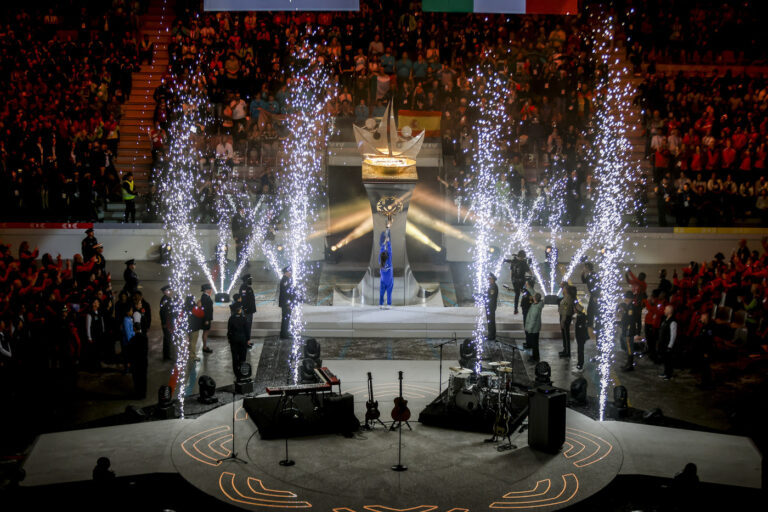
pixel 176 187
pixel 490 92
pixel 613 170
pixel 309 127
pixel 256 238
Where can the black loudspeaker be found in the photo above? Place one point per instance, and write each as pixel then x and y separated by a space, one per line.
pixel 306 415
pixel 546 419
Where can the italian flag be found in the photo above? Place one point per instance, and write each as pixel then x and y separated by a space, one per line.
pixel 502 6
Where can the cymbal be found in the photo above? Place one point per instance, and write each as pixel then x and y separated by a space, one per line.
pixel 493 364
pixel 505 369
pixel 487 374
pixel 504 363
pixel 455 368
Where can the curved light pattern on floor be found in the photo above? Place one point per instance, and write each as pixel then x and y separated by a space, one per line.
pixel 262 498
pixel 536 491
pixel 602 448
pixel 568 491
pixel 191 444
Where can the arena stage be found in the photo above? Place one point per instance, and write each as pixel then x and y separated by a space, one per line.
pixel 448 471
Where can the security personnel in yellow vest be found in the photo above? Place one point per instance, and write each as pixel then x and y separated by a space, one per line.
pixel 129 197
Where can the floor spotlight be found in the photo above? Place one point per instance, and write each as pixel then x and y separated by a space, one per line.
pixel 244 383
pixel 164 396
pixel 165 409
pixel 543 373
pixel 620 397
pixel 207 390
pixel 579 391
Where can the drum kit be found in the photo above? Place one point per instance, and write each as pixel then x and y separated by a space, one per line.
pixel 484 390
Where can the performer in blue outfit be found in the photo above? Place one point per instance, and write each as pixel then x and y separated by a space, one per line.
pixel 385 259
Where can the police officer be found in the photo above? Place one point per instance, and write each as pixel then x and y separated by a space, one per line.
pixel 248 300
pixel 589 278
pixel 166 320
pixel 285 301
pixel 491 301
pixel 207 304
pixel 130 277
pixel 629 328
pixel 237 335
pixel 518 269
pixel 88 245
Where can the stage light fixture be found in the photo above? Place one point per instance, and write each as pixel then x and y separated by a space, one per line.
pixel 620 398
pixel 244 372
pixel 543 372
pixel 312 350
pixel 307 373
pixel 207 390
pixel 579 391
pixel 243 382
pixel 164 396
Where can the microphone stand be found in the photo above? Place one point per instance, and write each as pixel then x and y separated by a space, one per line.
pixel 440 371
pixel 233 454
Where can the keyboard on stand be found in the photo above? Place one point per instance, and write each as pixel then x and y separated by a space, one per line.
pixel 327 381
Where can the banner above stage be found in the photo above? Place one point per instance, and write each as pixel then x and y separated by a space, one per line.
pixel 281 5
pixel 502 6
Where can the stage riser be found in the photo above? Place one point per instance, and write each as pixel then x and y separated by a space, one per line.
pixel 399 333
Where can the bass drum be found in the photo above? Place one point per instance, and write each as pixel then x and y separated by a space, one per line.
pixel 470 399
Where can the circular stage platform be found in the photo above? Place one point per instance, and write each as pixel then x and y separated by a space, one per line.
pixel 448 471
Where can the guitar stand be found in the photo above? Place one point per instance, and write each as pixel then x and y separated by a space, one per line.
pixel 369 424
pixel 396 425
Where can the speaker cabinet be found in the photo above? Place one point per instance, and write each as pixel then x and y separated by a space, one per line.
pixel 546 420
pixel 307 414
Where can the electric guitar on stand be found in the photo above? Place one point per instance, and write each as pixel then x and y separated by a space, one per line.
pixel 372 413
pixel 400 413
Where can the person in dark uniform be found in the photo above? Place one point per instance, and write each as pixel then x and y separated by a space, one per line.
pixel 207 303
pixel 582 334
pixel 565 311
pixel 628 328
pixel 166 320
pixel 491 301
pixel 88 245
pixel 589 278
pixel 248 300
pixel 667 338
pixel 130 277
pixel 518 269
pixel 237 335
pixel 138 358
pixel 240 234
pixel 286 302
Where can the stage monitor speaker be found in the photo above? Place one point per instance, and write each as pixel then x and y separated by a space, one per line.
pixel 244 387
pixel 276 417
pixel 546 419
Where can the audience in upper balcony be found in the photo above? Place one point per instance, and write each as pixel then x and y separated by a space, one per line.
pixel 64 78
pixel 707 133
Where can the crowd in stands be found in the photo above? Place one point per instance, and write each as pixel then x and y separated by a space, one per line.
pixel 706 139
pixel 65 72
pixel 423 61
pixel 719 308
pixel 60 316
pixel 693 32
